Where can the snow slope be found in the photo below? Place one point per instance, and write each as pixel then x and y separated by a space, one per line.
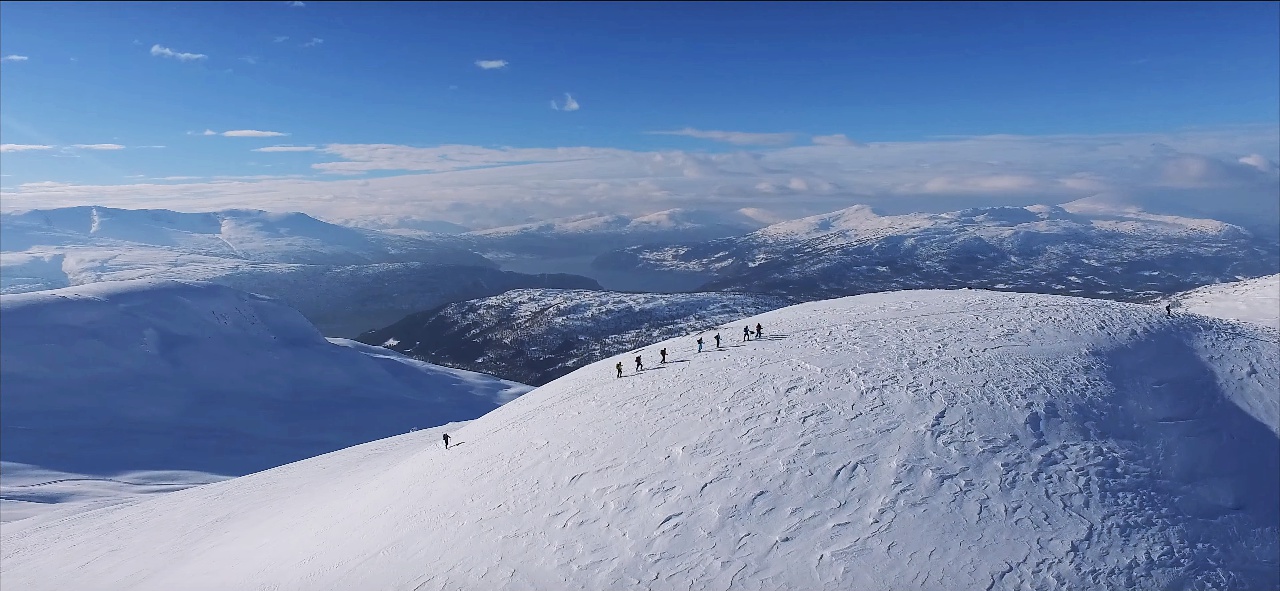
pixel 1252 300
pixel 928 440
pixel 533 336
pixel 146 375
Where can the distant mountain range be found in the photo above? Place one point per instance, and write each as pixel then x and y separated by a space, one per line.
pixel 1074 249
pixel 594 234
pixel 345 280
pixel 536 335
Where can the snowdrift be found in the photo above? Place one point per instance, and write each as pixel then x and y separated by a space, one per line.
pixel 167 375
pixel 912 440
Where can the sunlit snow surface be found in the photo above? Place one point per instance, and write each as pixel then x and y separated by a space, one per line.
pixel 1253 300
pixel 134 387
pixel 909 440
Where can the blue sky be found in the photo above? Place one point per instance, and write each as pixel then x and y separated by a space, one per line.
pixel 697 79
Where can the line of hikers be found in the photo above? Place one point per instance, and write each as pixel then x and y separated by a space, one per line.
pixel 746 336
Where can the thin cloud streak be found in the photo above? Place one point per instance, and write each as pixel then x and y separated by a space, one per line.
pixel 249 133
pixel 285 149
pixel 23 147
pixel 738 138
pixel 161 51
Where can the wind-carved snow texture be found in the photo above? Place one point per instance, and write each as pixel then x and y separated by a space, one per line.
pixel 345 280
pixel 1253 300
pixel 1075 249
pixel 929 440
pixel 150 375
pixel 533 336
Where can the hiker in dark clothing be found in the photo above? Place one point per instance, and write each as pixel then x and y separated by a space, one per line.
pixel 619 369
pixel 717 340
pixel 759 330
pixel 639 365
pixel 446 441
pixel 699 344
pixel 663 353
pixel 746 333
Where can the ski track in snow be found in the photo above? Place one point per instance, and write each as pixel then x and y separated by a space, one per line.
pixel 912 440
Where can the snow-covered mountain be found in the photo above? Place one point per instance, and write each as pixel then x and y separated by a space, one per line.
pixel 923 440
pixel 1252 300
pixel 536 335
pixel 1075 249
pixel 159 376
pixel 345 280
pixel 241 235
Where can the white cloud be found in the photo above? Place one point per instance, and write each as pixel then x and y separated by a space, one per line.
pixel 1259 162
pixel 14 58
pixel 250 133
pixel 23 147
pixel 739 138
pixel 160 51
pixel 285 149
pixel 313 42
pixel 568 105
pixel 1199 171
pixel 492 64
pixel 98 146
pixel 838 139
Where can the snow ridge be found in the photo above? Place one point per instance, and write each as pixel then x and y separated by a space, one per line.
pixel 926 440
pixel 1253 300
